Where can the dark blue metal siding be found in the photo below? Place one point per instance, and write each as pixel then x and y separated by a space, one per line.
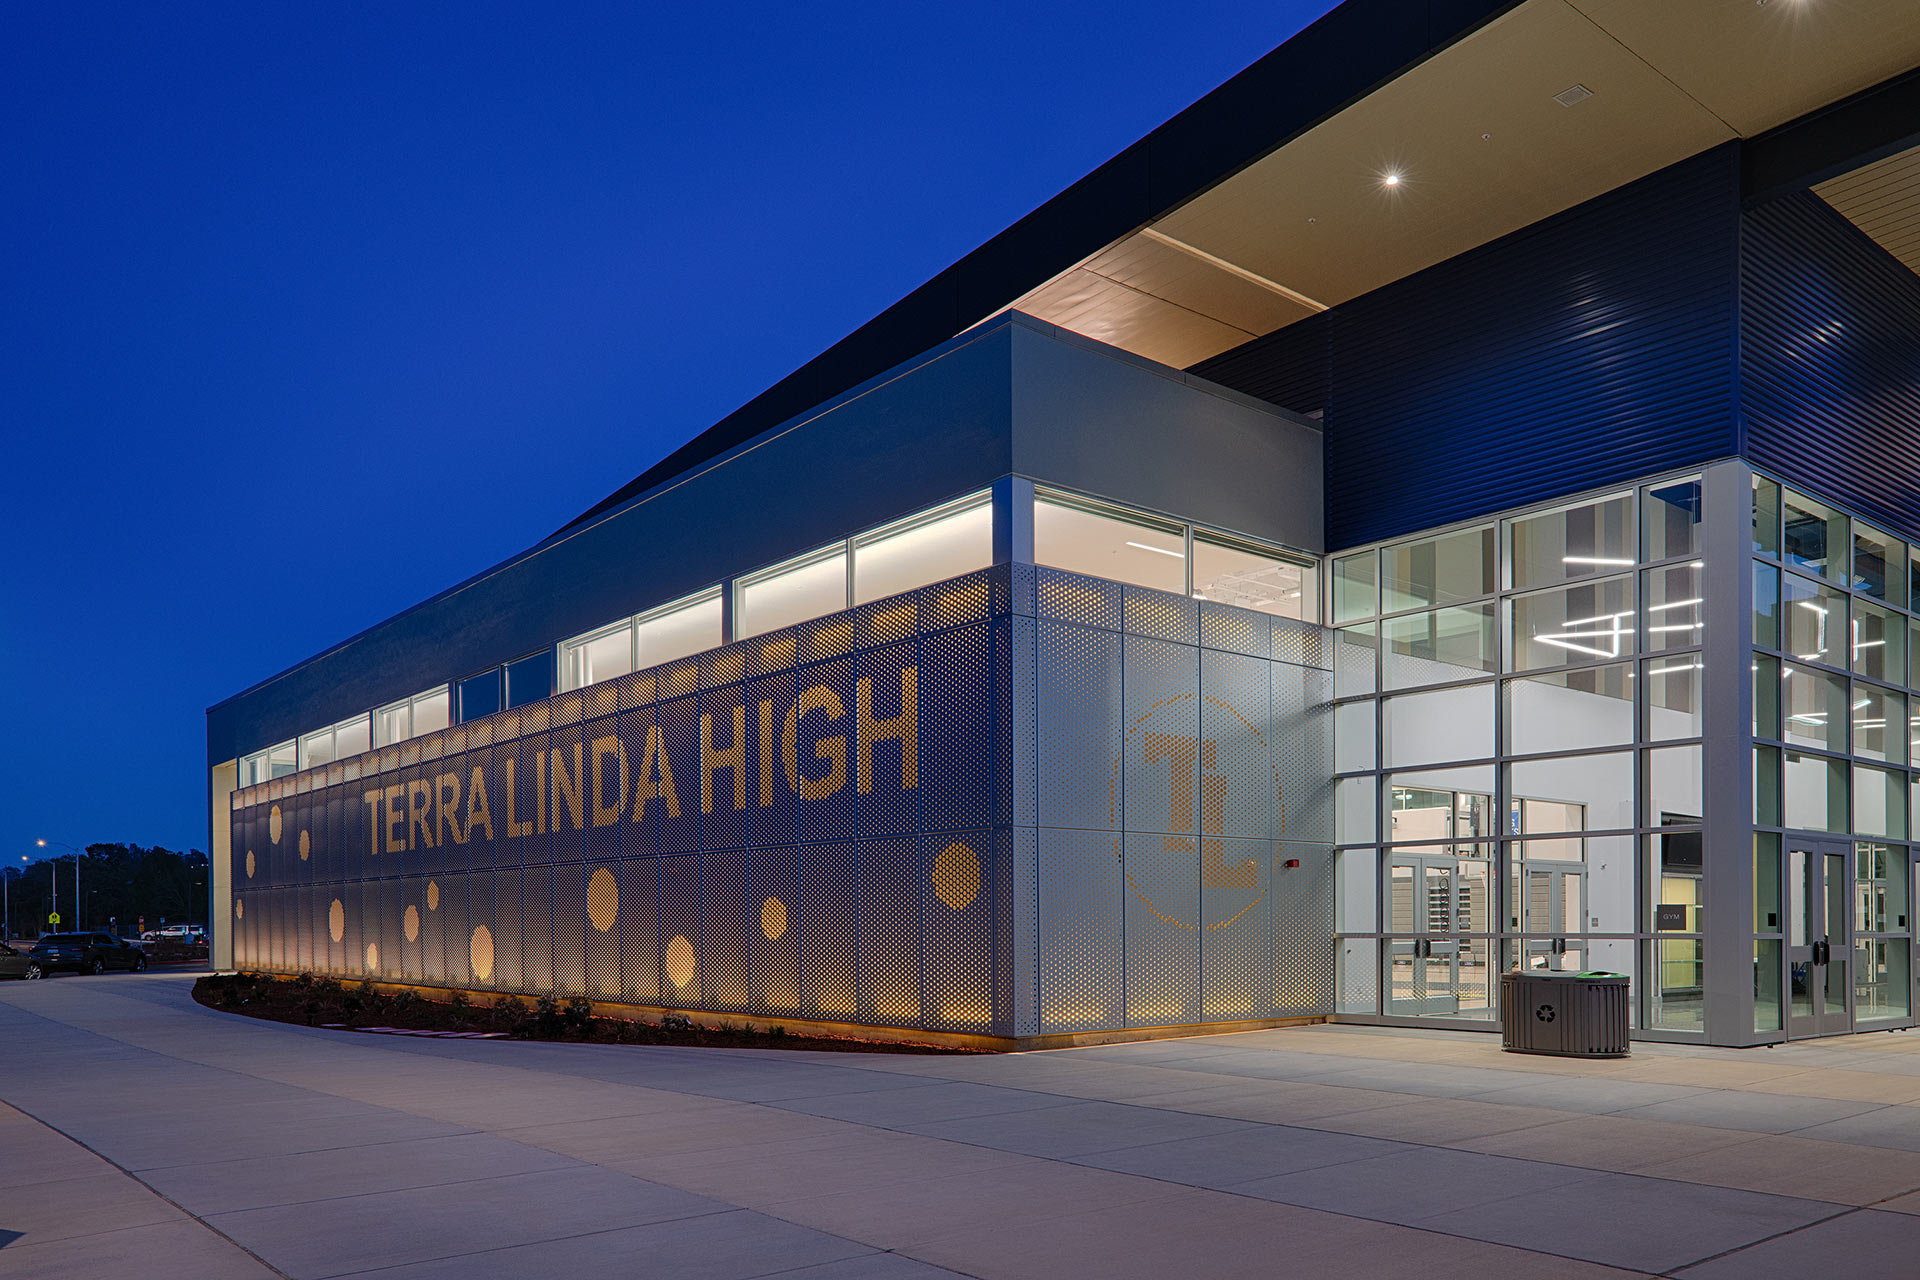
pixel 1289 367
pixel 1830 346
pixel 1592 347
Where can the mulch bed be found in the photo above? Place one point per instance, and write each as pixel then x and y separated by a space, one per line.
pixel 324 1002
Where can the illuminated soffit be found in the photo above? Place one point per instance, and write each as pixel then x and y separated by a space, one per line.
pixel 1481 142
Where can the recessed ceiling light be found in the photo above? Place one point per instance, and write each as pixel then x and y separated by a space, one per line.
pixel 1390 179
pixel 1573 95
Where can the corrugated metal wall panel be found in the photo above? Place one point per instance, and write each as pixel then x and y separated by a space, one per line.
pixel 1830 346
pixel 1594 346
pixel 1289 367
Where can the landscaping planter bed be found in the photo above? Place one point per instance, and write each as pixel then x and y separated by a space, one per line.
pixel 325 1002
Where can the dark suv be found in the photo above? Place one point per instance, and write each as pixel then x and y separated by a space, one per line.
pixel 87 953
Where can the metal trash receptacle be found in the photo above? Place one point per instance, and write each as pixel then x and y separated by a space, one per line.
pixel 1574 1015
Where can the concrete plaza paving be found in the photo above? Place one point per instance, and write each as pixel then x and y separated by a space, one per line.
pixel 143 1135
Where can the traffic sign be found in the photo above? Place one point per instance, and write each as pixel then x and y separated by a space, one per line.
pixel 54 918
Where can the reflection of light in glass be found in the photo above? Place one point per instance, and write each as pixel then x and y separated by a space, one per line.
pixel 1570 639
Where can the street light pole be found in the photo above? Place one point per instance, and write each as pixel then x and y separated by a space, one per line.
pixel 78 902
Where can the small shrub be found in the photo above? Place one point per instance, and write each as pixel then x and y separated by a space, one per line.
pixel 579 1016
pixel 511 1015
pixel 676 1022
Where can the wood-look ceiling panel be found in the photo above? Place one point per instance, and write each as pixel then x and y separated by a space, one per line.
pixel 1107 311
pixel 1459 189
pixel 1155 267
pixel 1760 65
pixel 1883 200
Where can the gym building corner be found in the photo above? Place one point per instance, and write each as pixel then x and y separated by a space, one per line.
pixel 1313 590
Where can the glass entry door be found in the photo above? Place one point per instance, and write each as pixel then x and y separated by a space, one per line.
pixel 1819 939
pixel 1439 907
pixel 1555 905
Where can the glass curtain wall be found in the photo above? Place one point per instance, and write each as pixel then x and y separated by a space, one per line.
pixel 1518 742
pixel 1835 732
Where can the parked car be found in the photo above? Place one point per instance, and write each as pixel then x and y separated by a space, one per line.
pixel 87 953
pixel 18 964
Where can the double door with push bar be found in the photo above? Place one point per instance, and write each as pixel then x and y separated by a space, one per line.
pixel 1819 940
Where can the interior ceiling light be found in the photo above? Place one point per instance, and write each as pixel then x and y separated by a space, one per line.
pixel 1573 95
pixel 1601 560
pixel 1178 555
pixel 1390 179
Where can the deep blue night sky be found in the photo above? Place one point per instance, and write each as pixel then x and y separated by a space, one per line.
pixel 309 311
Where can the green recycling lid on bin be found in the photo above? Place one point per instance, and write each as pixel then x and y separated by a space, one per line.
pixel 1599 973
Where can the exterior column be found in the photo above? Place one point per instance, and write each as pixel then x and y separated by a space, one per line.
pixel 1727 764
pixel 1013 520
pixel 220 865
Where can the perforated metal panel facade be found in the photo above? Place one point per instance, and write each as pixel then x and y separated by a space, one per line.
pixel 1182 759
pixel 969 809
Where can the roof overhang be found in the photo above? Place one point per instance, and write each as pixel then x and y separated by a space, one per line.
pixel 1389 136
pixel 1545 107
